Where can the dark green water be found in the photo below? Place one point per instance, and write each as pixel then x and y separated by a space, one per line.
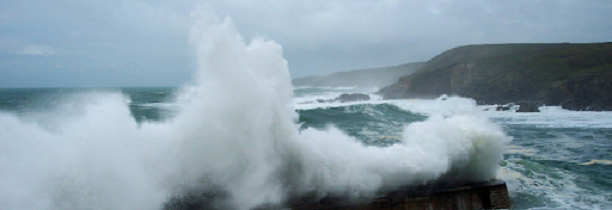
pixel 550 167
pixel 380 124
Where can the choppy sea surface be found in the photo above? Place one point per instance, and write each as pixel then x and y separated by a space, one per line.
pixel 557 159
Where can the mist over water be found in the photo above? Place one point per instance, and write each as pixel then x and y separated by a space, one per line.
pixel 234 140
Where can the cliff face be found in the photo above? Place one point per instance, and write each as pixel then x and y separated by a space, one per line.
pixel 575 76
pixel 377 77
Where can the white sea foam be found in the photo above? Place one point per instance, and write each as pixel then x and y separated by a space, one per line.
pixel 443 105
pixel 327 87
pixel 235 134
pixel 309 102
pixel 312 98
pixel 554 117
pixel 548 117
pixel 554 188
pixel 516 149
pixel 601 162
pixel 159 105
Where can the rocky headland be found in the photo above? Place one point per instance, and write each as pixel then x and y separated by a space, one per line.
pixel 376 77
pixel 574 76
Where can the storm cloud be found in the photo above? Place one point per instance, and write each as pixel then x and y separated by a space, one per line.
pixel 145 43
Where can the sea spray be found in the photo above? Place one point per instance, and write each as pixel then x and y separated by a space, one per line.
pixel 253 145
pixel 234 144
pixel 460 149
pixel 94 158
pixel 237 123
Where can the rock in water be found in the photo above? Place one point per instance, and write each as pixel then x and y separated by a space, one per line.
pixel 527 107
pixel 506 107
pixel 345 97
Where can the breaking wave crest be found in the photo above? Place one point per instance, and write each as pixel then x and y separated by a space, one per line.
pixel 234 144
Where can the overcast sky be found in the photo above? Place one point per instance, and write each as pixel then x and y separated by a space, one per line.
pixel 71 43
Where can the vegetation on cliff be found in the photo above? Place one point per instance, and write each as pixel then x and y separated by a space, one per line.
pixel 575 76
pixel 377 77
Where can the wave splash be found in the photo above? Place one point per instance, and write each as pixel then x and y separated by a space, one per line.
pixel 234 144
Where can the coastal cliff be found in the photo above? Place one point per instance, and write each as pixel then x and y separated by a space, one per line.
pixel 376 77
pixel 575 76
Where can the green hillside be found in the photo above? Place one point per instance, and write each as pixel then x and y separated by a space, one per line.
pixel 576 76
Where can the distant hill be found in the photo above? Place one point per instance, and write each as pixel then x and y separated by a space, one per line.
pixel 575 76
pixel 376 77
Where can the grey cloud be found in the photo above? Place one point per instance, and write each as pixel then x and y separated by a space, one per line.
pixel 33 49
pixel 329 36
pixel 137 42
pixel 94 43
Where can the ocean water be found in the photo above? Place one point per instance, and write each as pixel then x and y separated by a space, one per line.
pixel 557 159
pixel 240 136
